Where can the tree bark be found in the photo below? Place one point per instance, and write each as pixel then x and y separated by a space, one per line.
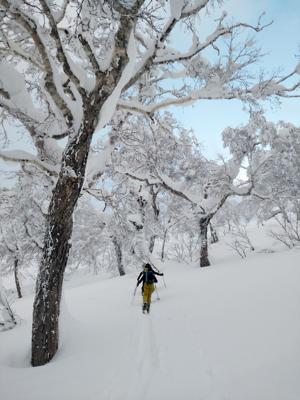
pixel 16 275
pixel 118 250
pixel 59 225
pixel 204 261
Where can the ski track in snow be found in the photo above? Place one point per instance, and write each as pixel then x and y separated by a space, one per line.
pixel 144 363
pixel 141 368
pixel 137 364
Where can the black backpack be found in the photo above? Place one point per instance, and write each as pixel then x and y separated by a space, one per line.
pixel 149 277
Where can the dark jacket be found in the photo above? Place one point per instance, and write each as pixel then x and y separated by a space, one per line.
pixel 148 276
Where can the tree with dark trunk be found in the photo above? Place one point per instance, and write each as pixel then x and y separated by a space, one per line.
pixel 16 275
pixel 45 333
pixel 155 209
pixel 75 75
pixel 162 255
pixel 204 261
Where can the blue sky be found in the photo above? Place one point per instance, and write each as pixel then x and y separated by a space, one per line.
pixel 281 42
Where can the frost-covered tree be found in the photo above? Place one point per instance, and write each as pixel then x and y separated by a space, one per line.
pixel 279 183
pixel 66 66
pixel 147 146
pixel 240 215
pixel 203 185
pixel 22 211
pixel 131 225
pixel 86 238
pixel 285 176
pixel 8 319
pixel 9 248
pixel 275 162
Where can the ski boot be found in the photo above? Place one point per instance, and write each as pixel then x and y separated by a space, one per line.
pixel 144 308
pixel 148 308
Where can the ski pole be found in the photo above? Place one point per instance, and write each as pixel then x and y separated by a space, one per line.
pixel 134 293
pixel 164 281
pixel 158 298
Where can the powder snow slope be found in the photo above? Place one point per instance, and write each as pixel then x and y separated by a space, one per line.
pixel 229 332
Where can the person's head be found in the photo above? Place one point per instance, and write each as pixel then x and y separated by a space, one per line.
pixel 147 267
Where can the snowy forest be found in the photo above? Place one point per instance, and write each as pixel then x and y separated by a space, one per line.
pixel 101 177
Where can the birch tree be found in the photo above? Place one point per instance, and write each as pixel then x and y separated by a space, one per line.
pixel 66 66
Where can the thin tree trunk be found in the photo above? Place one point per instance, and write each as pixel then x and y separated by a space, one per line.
pixel 16 274
pixel 118 251
pixel 204 261
pixel 152 243
pixel 229 226
pixel 45 333
pixel 156 215
pixel 213 234
pixel 162 257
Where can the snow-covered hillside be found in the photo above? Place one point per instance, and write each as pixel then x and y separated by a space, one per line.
pixel 228 332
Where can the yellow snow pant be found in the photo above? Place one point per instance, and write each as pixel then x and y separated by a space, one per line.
pixel 148 290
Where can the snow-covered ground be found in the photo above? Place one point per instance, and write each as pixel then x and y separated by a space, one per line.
pixel 228 332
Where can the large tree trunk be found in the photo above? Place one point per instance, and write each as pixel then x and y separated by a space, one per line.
pixel 204 261
pixel 118 250
pixel 56 248
pixel 16 275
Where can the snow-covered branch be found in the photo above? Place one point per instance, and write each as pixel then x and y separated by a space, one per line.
pixel 52 85
pixel 210 41
pixel 212 91
pixel 23 156
pixel 60 51
pixel 154 46
pixel 162 181
pixel 209 93
pixel 16 49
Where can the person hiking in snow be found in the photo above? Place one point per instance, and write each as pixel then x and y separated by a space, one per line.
pixel 147 276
